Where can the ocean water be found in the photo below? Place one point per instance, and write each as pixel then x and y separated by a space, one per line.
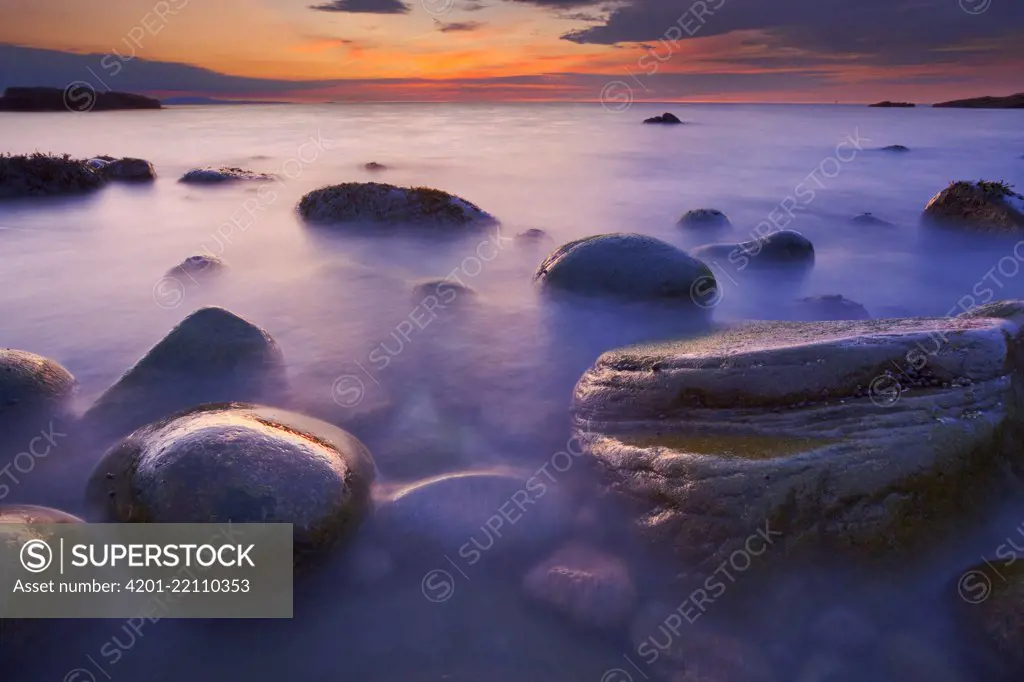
pixel 85 285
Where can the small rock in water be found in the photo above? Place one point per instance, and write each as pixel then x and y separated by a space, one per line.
pixel 198 265
pixel 128 170
pixel 895 148
pixel 589 586
pixel 978 205
pixel 704 217
pixel 534 235
pixel 374 166
pixel 378 203
pixel 207 176
pixel 242 464
pixel 832 307
pixel 626 266
pixel 783 248
pixel 664 118
pixel 870 219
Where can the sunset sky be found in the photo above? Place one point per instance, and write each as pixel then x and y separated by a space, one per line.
pixel 422 50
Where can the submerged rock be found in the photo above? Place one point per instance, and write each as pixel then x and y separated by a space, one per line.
pixel 378 203
pixel 374 166
pixel 704 217
pixel 534 235
pixel 589 586
pixel 871 219
pixel 32 388
pixel 831 307
pixel 446 292
pixel 629 266
pixel 197 266
pixel 895 148
pixel 473 514
pixel 211 356
pixel 36 175
pixel 782 248
pixel 664 118
pixel 208 176
pixel 241 464
pixel 856 435
pixel 687 652
pixel 128 170
pixel 979 205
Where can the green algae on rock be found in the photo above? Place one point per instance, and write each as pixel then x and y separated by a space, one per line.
pixel 379 203
pixel 784 424
pixel 242 464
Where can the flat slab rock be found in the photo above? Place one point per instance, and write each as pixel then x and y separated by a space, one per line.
pixel 855 434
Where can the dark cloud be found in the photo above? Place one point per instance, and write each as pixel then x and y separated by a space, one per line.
pixel 886 31
pixel 364 6
pixel 458 26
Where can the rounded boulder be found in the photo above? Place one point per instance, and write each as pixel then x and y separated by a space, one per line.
pixel 241 464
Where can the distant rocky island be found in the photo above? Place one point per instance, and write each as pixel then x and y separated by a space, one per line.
pixel 1009 102
pixel 56 99
pixel 887 103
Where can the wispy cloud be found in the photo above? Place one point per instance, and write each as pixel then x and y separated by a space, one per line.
pixel 364 6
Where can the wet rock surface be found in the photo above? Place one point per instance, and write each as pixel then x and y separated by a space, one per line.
pixel 211 356
pixel 238 463
pixel 214 176
pixel 977 205
pixel 805 427
pixel 379 203
pixel 627 266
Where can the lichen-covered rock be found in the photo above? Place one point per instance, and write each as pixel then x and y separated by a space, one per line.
pixel 691 652
pixel 36 175
pixel 379 203
pixel 664 118
pixel 241 464
pixel 212 176
pixel 629 266
pixel 32 386
pixel 704 217
pixel 853 435
pixel 211 356
pixel 978 205
pixel 589 586
pixel 783 248
pixel 128 170
pixel 475 514
pixel 198 266
pixel 830 307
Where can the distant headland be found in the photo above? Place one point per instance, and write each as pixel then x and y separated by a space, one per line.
pixel 79 98
pixel 1009 102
